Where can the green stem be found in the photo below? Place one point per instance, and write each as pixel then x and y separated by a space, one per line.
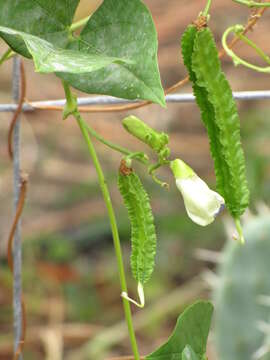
pixel 115 234
pixel 237 29
pixel 7 55
pixel 69 97
pixel 114 228
pixel 138 156
pixel 207 8
pixel 240 231
pixel 258 50
pixel 153 168
pixel 75 26
pixel 251 3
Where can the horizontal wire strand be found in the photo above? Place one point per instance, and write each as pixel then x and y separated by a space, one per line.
pixel 109 100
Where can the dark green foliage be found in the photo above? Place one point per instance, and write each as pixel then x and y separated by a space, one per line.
pixel 244 283
pixel 219 115
pixel 47 19
pixel 143 235
pixel 123 29
pixel 115 54
pixel 192 329
pixel 49 58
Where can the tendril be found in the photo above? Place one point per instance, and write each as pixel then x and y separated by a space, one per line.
pixel 238 31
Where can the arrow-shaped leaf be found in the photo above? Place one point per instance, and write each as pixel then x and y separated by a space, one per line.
pixel 124 29
pixel 192 329
pixel 119 42
pixel 47 19
pixel 48 58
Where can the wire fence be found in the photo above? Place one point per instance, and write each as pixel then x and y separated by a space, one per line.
pixel 85 101
pixel 109 100
pixel 17 249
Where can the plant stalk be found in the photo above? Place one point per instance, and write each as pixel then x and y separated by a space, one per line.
pixel 207 8
pixel 72 109
pixel 6 56
pixel 258 50
pixel 238 29
pixel 75 26
pixel 115 233
pixel 143 158
pixel 251 3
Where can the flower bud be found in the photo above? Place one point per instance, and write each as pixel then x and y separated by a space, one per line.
pixel 156 140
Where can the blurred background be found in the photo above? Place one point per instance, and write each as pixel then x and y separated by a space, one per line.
pixel 70 276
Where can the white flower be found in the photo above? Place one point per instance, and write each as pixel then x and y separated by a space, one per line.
pixel 202 204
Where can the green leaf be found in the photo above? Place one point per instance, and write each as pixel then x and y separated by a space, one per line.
pixel 119 29
pixel 47 19
pixel 48 58
pixel 192 329
pixel 143 235
pixel 189 354
pixel 122 29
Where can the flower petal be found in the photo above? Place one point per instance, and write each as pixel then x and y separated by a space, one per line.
pixel 202 204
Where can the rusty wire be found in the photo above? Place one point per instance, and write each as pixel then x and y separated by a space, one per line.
pixel 19 210
pixel 18 111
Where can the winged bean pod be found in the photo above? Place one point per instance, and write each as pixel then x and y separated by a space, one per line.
pixel 143 235
pixel 220 116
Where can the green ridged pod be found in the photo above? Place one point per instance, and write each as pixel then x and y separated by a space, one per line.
pixel 207 112
pixel 219 115
pixel 143 235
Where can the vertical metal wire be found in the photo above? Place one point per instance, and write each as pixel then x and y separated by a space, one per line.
pixel 17 252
